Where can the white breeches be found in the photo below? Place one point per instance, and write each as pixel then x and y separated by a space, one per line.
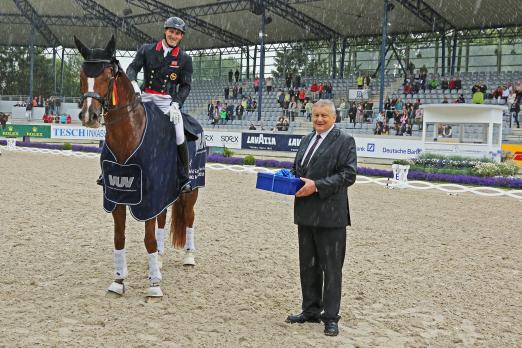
pixel 163 102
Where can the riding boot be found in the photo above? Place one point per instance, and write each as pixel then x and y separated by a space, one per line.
pixel 99 181
pixel 183 156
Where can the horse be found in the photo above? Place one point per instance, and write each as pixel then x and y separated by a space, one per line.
pixel 108 96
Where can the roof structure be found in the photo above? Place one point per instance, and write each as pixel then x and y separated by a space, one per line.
pixel 225 23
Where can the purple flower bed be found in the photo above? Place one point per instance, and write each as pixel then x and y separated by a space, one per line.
pixel 514 183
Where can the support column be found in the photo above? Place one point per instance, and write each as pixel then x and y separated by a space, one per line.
pixel 31 63
pixel 443 55
pixel 343 56
pixel 220 63
pixel 383 54
pixel 61 71
pixel 241 66
pixel 467 56
pixel 436 66
pixel 261 64
pixel 454 52
pixel 248 62
pixel 255 63
pixel 334 58
pixel 459 57
pixel 54 70
pixel 499 54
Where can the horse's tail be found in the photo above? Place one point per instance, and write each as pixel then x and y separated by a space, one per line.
pixel 178 224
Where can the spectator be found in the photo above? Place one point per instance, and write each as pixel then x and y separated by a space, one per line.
pixel 235 90
pixel 328 88
pixel 352 112
pixel 239 111
pixel 230 112
pixel 236 75
pixel 230 74
pixel 343 109
pixel 308 108
pixel 40 101
pixel 419 114
pixel 360 81
pixel 460 99
pixel 423 72
pixel 269 83
pixel 444 85
pixel 35 102
pixel 281 98
pixel 497 93
pixel 288 80
pixel 314 88
pixel 244 104
pixel 286 101
pixel 293 109
pixel 29 110
pixel 451 84
pixel 379 125
pixel 505 92
pixel 227 92
pixel 282 124
pixel 210 110
pixel 256 84
pixel 477 94
pixel 223 114
pixel 251 127
pixel 359 116
pixel 367 80
pixel 240 91
pixel 296 81
pixel 445 100
pixel 434 83
pixel 408 88
pixel 302 108
pixel 458 84
pixel 301 95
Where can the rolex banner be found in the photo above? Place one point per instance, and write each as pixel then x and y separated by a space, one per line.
pixel 18 131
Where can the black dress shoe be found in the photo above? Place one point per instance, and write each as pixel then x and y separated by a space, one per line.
pixel 331 328
pixel 302 318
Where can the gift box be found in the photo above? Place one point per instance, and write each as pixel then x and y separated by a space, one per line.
pixel 279 184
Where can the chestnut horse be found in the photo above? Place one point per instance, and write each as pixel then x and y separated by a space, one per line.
pixel 108 94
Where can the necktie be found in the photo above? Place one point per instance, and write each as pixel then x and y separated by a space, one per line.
pixel 311 151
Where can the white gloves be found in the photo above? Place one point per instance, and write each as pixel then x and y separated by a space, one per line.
pixel 175 114
pixel 136 87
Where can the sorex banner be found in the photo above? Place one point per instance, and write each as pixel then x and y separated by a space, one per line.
pixel 18 131
pixel 77 132
pixel 231 140
pixel 271 141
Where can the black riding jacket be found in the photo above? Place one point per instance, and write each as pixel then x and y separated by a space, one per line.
pixel 163 75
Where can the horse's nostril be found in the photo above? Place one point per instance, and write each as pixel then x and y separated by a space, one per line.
pixel 95 117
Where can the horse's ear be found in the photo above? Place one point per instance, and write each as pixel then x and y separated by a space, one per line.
pixel 84 51
pixel 111 47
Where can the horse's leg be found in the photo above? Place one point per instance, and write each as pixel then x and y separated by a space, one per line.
pixel 189 217
pixel 120 261
pixel 154 269
pixel 160 232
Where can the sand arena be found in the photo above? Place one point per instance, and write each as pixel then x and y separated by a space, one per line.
pixel 423 268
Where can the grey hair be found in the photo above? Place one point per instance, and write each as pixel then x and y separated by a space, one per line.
pixel 327 103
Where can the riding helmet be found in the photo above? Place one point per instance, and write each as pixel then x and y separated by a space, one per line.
pixel 176 23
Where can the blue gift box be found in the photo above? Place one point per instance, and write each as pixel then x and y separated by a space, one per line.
pixel 279 184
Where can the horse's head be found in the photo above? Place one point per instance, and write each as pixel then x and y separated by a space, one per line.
pixel 97 75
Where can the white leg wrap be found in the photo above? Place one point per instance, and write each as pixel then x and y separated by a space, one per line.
pixel 154 271
pixel 189 243
pixel 160 240
pixel 120 264
pixel 180 133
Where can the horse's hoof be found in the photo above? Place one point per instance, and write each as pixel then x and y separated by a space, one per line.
pixel 116 288
pixel 154 291
pixel 188 259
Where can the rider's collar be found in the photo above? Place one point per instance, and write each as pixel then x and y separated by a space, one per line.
pixel 167 48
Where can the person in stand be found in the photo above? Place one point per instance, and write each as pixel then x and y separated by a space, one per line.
pixel 327 164
pixel 168 78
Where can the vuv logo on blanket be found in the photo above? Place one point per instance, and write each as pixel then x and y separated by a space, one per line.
pixel 120 181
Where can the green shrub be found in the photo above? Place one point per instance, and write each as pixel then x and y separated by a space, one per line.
pixel 67 146
pixel 249 160
pixel 227 152
pixel 508 168
pixel 401 162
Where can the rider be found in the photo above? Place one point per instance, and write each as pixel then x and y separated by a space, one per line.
pixel 168 76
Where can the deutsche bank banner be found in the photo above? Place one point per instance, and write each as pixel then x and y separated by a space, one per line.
pixel 358 94
pixel 388 148
pixel 271 141
pixel 231 140
pixel 77 132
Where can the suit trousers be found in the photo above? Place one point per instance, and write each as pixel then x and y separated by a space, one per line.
pixel 321 259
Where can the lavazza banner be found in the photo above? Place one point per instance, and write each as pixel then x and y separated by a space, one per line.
pixel 77 132
pixel 231 140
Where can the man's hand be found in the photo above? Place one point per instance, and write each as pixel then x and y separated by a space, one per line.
pixel 308 188
pixel 175 114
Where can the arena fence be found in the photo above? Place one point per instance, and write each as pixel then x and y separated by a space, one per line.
pixel 451 189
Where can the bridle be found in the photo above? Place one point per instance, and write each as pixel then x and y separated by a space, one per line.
pixel 94 68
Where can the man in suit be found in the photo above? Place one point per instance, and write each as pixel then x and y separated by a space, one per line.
pixel 327 163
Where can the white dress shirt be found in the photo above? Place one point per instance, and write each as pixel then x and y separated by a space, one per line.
pixel 323 136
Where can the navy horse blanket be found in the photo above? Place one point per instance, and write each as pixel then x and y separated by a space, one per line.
pixel 147 181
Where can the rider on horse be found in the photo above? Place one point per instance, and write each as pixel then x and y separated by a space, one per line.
pixel 168 76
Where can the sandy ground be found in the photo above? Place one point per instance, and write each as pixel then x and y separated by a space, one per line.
pixel 422 268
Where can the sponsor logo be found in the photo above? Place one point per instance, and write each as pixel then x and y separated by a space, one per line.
pixel 230 138
pixel 120 182
pixel 371 147
pixel 261 140
pixel 517 156
pixel 294 142
pixel 209 137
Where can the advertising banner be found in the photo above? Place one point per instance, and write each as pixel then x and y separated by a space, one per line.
pixel 18 131
pixel 271 141
pixel 77 132
pixel 357 94
pixel 395 148
pixel 231 140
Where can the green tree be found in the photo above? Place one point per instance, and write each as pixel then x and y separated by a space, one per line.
pixel 207 67
pixel 302 59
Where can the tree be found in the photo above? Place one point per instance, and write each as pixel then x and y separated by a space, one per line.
pixel 302 59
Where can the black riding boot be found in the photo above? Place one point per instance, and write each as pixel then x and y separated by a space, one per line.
pixel 183 156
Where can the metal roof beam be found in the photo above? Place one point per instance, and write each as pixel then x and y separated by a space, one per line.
pixel 30 13
pixel 290 13
pixel 72 21
pixel 427 14
pixel 115 21
pixel 158 7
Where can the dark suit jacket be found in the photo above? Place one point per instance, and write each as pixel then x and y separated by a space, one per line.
pixel 333 167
